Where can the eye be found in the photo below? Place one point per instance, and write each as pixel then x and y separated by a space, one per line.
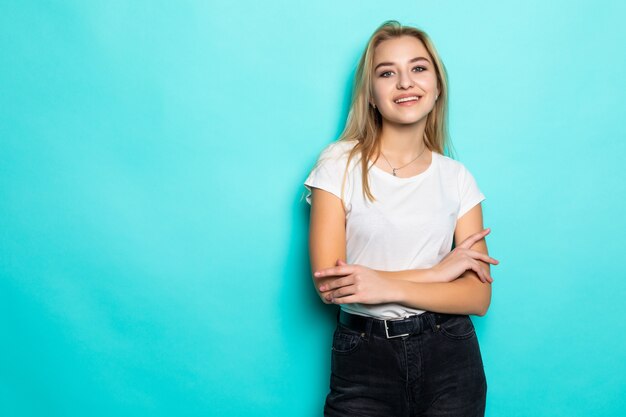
pixel 386 74
pixel 421 69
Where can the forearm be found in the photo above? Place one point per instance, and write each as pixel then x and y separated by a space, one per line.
pixel 465 295
pixel 410 275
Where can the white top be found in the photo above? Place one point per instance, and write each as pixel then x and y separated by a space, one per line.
pixel 409 226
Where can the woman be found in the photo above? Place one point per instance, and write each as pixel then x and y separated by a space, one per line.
pixel 380 243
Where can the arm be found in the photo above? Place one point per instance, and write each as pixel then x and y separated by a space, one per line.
pixel 464 239
pixel 465 295
pixel 469 223
pixel 327 233
pixel 411 275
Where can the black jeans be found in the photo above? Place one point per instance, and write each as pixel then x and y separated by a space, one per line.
pixel 435 371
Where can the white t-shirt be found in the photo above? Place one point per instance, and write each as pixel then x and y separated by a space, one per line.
pixel 409 226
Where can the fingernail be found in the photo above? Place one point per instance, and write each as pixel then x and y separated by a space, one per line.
pixel 323 288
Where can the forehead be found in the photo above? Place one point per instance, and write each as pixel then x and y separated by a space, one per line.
pixel 399 50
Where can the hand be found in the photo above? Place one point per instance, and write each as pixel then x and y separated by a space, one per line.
pixel 353 284
pixel 462 258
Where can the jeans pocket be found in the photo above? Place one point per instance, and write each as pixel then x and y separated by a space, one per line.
pixel 457 327
pixel 345 340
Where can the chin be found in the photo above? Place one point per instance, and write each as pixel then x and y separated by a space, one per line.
pixel 407 120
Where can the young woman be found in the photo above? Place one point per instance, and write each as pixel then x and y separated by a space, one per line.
pixel 386 205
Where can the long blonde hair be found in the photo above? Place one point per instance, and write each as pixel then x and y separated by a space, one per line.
pixel 364 122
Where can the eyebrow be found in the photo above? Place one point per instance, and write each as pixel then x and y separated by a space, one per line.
pixel 419 58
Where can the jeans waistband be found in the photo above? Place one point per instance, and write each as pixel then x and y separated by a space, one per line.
pixel 391 328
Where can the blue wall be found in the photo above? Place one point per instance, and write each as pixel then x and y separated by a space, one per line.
pixel 153 239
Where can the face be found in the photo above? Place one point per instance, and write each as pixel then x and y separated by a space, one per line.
pixel 404 81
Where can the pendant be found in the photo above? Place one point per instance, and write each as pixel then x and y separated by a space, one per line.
pixel 394 172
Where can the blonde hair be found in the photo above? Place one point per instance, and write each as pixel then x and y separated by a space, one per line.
pixel 364 122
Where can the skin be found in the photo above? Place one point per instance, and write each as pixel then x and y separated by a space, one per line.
pixel 403 125
pixel 461 282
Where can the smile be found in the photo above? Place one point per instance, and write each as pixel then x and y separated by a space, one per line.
pixel 406 99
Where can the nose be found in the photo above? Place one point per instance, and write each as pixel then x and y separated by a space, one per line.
pixel 404 80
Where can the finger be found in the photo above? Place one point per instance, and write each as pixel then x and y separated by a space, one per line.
pixel 342 292
pixel 469 242
pixel 333 271
pixel 478 269
pixel 482 256
pixel 475 266
pixel 346 300
pixel 336 283
pixel 486 274
pixel 479 272
pixel 482 273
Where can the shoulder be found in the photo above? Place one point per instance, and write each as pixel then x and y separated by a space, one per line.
pixel 456 171
pixel 335 155
pixel 338 150
pixel 328 173
pixel 450 165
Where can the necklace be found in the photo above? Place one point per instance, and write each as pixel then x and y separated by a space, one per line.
pixel 395 169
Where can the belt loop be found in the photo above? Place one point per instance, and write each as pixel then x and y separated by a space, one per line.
pixel 433 320
pixel 368 329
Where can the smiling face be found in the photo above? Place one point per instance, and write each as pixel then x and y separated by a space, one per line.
pixel 404 81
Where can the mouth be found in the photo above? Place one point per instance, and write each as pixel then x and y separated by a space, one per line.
pixel 407 99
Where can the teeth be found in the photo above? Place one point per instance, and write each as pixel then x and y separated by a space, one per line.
pixel 402 100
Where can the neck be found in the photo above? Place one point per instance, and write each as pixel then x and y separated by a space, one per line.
pixel 402 142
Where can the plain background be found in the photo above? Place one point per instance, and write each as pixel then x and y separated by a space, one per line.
pixel 153 234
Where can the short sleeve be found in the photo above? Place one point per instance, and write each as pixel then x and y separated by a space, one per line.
pixel 469 193
pixel 327 174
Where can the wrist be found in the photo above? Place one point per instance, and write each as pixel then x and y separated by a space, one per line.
pixel 431 275
pixel 397 291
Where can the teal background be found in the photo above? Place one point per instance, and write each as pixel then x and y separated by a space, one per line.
pixel 153 235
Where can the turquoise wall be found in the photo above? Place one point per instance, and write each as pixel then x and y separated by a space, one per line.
pixel 153 239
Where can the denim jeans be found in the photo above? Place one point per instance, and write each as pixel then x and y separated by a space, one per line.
pixel 436 371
